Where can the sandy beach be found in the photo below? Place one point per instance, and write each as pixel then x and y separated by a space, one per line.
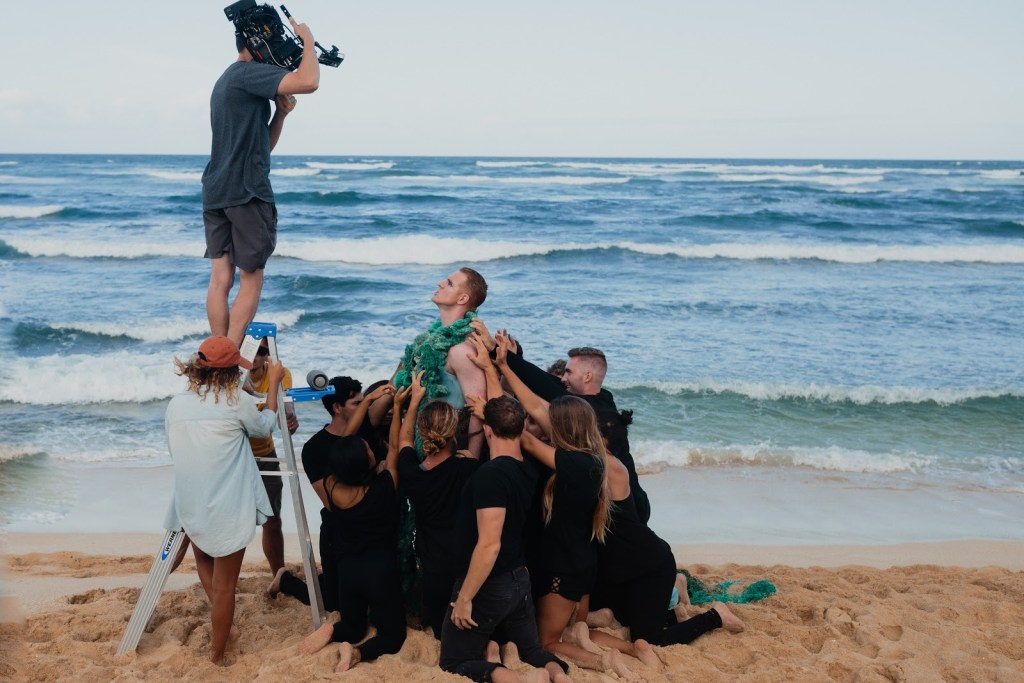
pixel 912 612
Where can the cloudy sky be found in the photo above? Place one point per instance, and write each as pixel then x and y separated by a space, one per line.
pixel 634 78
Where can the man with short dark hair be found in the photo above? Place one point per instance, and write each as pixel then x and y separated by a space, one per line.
pixel 495 586
pixel 239 214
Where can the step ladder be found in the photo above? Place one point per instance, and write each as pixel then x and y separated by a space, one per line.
pixel 173 538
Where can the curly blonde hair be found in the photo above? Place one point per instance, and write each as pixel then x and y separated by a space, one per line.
pixel 437 422
pixel 203 380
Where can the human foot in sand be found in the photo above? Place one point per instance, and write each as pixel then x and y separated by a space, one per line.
pixel 602 618
pixel 684 596
pixel 234 633
pixel 647 655
pixel 492 653
pixel 275 586
pixel 579 634
pixel 348 657
pixel 612 659
pixel 223 660
pixel 730 622
pixel 510 655
pixel 316 640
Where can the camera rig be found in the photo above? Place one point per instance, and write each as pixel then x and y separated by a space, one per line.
pixel 269 39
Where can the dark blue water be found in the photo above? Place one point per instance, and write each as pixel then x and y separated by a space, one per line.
pixel 857 317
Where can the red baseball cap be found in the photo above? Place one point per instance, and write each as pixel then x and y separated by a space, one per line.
pixel 221 352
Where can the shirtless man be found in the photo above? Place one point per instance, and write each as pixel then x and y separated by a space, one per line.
pixel 457 298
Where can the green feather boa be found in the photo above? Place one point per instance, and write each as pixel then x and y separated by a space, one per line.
pixel 429 353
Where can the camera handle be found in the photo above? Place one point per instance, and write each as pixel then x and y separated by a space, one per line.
pixel 327 57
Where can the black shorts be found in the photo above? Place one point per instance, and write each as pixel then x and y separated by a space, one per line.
pixel 247 233
pixel 570 586
pixel 274 484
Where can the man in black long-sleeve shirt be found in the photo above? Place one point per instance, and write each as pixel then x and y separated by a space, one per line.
pixel 583 376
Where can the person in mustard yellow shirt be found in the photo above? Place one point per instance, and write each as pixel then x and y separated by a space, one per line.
pixel 263 447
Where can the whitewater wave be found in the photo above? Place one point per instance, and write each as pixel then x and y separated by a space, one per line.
pixel 58 246
pixel 517 180
pixel 351 166
pixel 11 211
pixel 819 179
pixel 184 176
pixel 863 395
pixel 90 378
pixel 12 453
pixel 431 250
pixel 168 329
pixel 30 180
pixel 295 172
pixel 657 455
pixel 1003 174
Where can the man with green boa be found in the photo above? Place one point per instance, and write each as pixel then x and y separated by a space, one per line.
pixel 443 352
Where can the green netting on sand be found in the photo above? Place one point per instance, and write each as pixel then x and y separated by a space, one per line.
pixel 701 593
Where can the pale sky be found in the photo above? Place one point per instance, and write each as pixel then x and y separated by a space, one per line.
pixel 916 79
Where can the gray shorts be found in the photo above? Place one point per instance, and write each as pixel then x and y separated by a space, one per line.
pixel 247 233
pixel 273 484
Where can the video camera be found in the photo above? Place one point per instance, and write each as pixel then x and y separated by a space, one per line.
pixel 269 39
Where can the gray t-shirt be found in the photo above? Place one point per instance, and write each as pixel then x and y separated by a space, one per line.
pixel 239 167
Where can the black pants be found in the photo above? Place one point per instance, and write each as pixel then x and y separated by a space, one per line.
pixel 640 602
pixel 502 600
pixel 369 586
pixel 295 587
pixel 437 593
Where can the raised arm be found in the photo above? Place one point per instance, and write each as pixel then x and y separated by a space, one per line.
pixel 416 391
pixel 535 406
pixel 482 360
pixel 543 452
pixel 306 78
pixel 356 421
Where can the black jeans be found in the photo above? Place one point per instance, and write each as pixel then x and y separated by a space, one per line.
pixel 369 585
pixel 437 593
pixel 503 600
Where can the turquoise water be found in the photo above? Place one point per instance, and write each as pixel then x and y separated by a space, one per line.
pixel 860 318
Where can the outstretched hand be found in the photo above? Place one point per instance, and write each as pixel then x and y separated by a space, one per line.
pixel 482 357
pixel 476 405
pixel 417 388
pixel 480 331
pixel 379 392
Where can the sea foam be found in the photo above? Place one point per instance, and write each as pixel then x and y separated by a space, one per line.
pixel 351 166
pixel 514 180
pixel 168 329
pixel 657 455
pixel 11 211
pixel 860 395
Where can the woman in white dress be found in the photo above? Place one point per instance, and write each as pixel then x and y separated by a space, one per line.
pixel 219 499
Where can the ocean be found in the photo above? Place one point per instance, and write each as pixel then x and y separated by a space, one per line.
pixel 813 325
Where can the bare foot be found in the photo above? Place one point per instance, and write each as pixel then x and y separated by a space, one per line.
pixel 560 676
pixel 581 634
pixel 492 653
pixel 510 655
pixel 730 622
pixel 234 633
pixel 681 612
pixel 348 657
pixel 602 618
pixel 684 597
pixel 534 676
pixel 612 659
pixel 223 660
pixel 275 586
pixel 316 640
pixel 647 655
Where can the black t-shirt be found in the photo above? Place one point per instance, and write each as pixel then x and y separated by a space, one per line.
pixel 315 455
pixel 567 547
pixel 631 549
pixel 370 525
pixel 371 435
pixel 434 494
pixel 501 482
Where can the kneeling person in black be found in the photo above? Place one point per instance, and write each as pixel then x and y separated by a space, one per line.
pixel 495 587
pixel 364 511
